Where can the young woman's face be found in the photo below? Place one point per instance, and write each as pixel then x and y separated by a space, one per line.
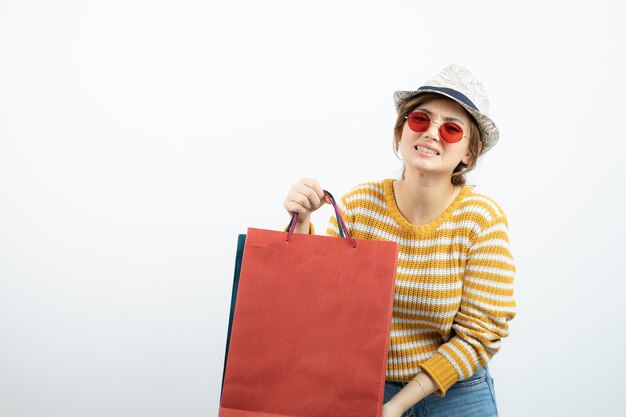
pixel 447 155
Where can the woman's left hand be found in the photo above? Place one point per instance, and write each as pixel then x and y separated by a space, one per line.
pixel 390 411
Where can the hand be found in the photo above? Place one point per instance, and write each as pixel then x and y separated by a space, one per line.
pixel 304 197
pixel 390 411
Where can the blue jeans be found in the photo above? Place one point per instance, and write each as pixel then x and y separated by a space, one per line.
pixel 474 396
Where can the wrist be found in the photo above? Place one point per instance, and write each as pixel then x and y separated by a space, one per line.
pixel 304 227
pixel 303 218
pixel 392 409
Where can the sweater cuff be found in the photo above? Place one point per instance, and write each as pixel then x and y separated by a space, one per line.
pixel 442 372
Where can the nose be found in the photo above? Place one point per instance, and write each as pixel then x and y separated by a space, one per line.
pixel 433 131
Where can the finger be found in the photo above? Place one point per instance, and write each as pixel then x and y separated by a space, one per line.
pixel 293 207
pixel 297 198
pixel 312 196
pixel 302 199
pixel 315 186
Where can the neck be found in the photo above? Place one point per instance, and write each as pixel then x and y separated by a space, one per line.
pixel 420 199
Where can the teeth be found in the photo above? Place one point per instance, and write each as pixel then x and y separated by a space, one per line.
pixel 423 149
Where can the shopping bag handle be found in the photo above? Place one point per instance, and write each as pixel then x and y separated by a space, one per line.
pixel 343 230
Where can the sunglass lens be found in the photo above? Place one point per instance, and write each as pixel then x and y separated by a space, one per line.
pixel 418 121
pixel 451 132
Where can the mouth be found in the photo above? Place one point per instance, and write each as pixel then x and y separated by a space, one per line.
pixel 425 150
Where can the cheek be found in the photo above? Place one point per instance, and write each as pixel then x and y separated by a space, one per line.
pixel 405 139
pixel 460 147
pixel 456 150
pixel 406 133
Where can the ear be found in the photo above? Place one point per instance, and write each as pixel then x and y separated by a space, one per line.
pixel 468 154
pixel 467 157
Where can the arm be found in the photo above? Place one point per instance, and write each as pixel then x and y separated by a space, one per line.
pixel 486 307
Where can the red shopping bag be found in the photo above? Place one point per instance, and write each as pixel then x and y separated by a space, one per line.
pixel 311 326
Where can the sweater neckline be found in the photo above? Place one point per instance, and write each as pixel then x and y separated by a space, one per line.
pixel 426 228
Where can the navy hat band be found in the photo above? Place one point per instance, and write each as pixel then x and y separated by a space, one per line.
pixel 453 93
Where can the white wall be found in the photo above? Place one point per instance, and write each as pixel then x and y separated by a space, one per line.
pixel 138 138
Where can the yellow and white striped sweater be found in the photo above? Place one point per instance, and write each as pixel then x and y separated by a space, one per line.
pixel 454 285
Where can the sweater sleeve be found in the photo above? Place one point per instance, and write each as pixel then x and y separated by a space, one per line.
pixel 487 305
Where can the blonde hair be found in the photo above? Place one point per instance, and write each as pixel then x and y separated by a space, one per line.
pixel 475 145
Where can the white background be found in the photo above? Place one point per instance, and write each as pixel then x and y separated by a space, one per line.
pixel 138 138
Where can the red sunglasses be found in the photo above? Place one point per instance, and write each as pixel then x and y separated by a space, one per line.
pixel 419 121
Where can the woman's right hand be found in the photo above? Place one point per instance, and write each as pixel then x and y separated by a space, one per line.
pixel 304 197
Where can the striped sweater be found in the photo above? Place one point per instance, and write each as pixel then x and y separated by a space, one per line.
pixel 454 283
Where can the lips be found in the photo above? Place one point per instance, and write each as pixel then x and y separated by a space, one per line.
pixel 421 145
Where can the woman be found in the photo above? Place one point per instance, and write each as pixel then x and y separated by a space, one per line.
pixel 454 285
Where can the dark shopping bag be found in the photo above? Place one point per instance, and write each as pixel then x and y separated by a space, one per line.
pixel 241 240
pixel 310 329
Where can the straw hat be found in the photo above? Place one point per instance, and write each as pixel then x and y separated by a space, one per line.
pixel 457 83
